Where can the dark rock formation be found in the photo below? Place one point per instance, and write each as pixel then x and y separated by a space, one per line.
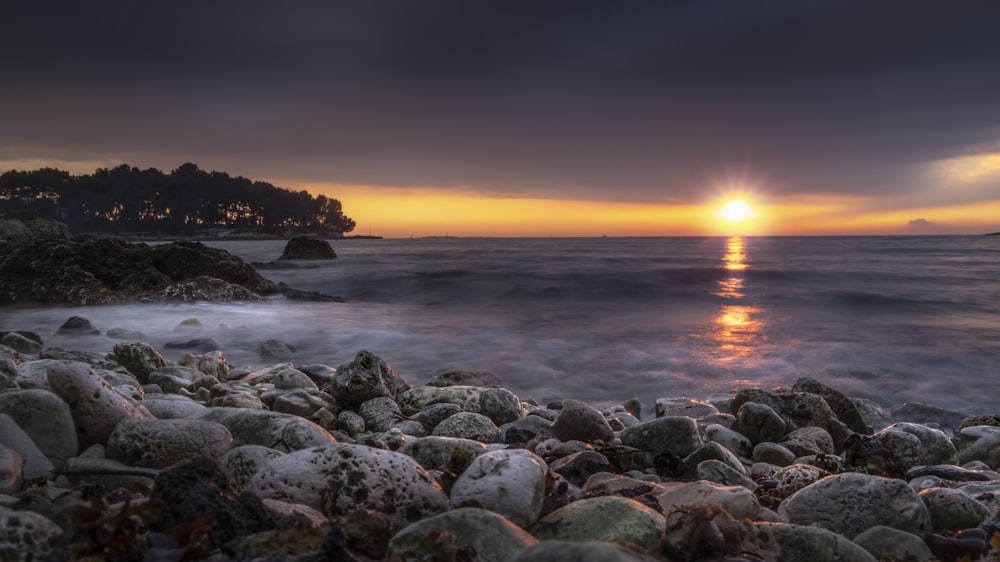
pixel 98 270
pixel 307 248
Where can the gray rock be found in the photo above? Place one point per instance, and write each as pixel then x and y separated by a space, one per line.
pixel 93 468
pixel 849 503
pixel 611 519
pixel 465 378
pixel 26 536
pixel 367 376
pixel 581 422
pixel 710 451
pixel 20 343
pixel 732 440
pixel 810 440
pixel 212 363
pixel 172 378
pixel 498 404
pixel 380 413
pixel 759 423
pixel 167 406
pixel 350 422
pixel 36 464
pixel 845 409
pixel 721 473
pixel 795 543
pixel 510 482
pixel 978 443
pixel 530 430
pixel 275 350
pixel 434 414
pixel 690 407
pixel 138 358
pixel 587 551
pixel 284 432
pixel 161 443
pixel 773 453
pixel 96 406
pixel 935 447
pixel 953 510
pixel 339 478
pixel 241 463
pixel 239 400
pixel 806 409
pixel 794 477
pixel 886 543
pixel 469 425
pixel 578 467
pixel 302 402
pixel 46 419
pixel 678 435
pixel 433 452
pixel 492 537
pixel 77 326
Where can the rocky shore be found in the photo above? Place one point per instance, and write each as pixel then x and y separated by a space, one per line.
pixel 128 456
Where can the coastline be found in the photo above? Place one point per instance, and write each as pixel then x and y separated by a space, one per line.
pixel 464 457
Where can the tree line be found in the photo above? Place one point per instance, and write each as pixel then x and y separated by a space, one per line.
pixel 187 201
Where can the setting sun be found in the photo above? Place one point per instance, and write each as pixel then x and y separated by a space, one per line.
pixel 736 210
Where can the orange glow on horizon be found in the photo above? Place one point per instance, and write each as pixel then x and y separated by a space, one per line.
pixel 395 212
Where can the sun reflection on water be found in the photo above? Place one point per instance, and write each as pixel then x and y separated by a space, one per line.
pixel 737 330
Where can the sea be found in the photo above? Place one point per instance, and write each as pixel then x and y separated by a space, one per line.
pixel 905 319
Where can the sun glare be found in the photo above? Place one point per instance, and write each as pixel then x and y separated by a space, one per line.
pixel 736 210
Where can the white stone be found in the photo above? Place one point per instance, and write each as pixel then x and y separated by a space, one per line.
pixel 510 482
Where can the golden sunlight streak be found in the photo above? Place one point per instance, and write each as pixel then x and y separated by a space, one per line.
pixel 971 168
pixel 736 210
pixel 736 329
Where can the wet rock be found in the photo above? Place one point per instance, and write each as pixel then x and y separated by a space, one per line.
pixel 212 363
pixel 731 440
pixel 380 413
pixel 845 409
pixel 465 378
pixel 275 350
pixel 886 543
pixel 241 463
pixel 529 430
pixel 587 551
pixel 759 422
pixel 339 478
pixel 690 407
pixel 927 414
pixel 173 378
pixel 26 536
pixel 161 443
pixel 578 467
pixel 46 419
pixel 350 422
pixel 35 463
pixel 611 519
pixel 307 248
pixel 299 402
pixel 92 467
pixel 795 543
pixel 849 503
pixel 991 420
pixel 96 407
pixel 953 510
pixel 935 447
pixel 197 490
pixel 793 478
pixel 808 440
pixel 773 453
pixel 978 443
pixel 367 376
pixel 678 435
pixel 274 430
pixel 138 358
pixel 20 343
pixel 805 410
pixel 434 414
pixel 469 425
pixel 487 536
pixel 77 326
pixel 498 404
pixel 510 482
pixel 719 472
pixel 710 451
pixel 433 453
pixel 581 422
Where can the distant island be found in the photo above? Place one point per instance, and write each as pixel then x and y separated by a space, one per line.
pixel 187 202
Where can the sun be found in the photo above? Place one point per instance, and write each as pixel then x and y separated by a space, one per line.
pixel 736 210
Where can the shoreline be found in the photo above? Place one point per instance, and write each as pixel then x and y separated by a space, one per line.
pixel 764 474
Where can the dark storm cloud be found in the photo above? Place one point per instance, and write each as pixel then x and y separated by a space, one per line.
pixel 634 100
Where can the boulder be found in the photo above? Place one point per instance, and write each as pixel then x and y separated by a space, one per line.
pixel 307 248
pixel 510 482
pixel 849 503
pixel 434 452
pixel 241 463
pixel 676 434
pixel 161 443
pixel 759 423
pixel 795 543
pixel 581 422
pixel 46 419
pixel 886 543
pixel 490 536
pixel 469 425
pixel 339 478
pixel 953 510
pixel 498 404
pixel 611 519
pixel 367 376
pixel 138 358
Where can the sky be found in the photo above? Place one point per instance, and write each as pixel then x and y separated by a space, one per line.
pixel 532 118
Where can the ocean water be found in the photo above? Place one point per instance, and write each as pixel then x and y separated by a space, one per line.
pixel 894 319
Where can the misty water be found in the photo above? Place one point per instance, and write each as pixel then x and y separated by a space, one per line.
pixel 894 319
